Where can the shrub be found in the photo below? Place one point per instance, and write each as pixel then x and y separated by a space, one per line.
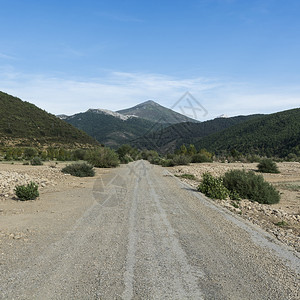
pixel 124 150
pixel 187 176
pixel 30 153
pixel 183 150
pixel 267 165
pixel 167 163
pixel 200 158
pixel 126 159
pixel 79 154
pixel 252 158
pixel 36 161
pixel 234 195
pixel 155 160
pixel 149 154
pixel 79 170
pixel 103 158
pixel 250 186
pixel 281 224
pixel 180 160
pixel 27 192
pixel 213 187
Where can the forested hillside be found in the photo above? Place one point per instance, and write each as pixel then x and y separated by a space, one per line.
pixel 167 139
pixel 276 134
pixel 26 123
pixel 110 130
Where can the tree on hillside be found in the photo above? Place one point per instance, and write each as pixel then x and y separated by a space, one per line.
pixel 183 150
pixel 191 150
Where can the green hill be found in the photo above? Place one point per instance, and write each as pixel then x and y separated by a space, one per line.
pixel 25 124
pixel 167 139
pixel 154 112
pixel 276 134
pixel 110 128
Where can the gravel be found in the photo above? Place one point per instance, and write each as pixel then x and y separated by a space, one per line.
pixel 160 240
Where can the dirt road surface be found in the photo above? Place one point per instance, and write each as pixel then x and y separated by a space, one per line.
pixel 143 234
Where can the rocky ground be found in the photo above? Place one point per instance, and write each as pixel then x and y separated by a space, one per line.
pixel 282 219
pixel 136 233
pixel 46 176
pixel 12 176
pixel 22 219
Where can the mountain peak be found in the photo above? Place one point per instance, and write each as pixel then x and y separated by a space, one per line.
pixel 148 103
pixel 151 102
pixel 152 111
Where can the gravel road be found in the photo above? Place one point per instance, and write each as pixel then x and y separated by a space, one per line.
pixel 146 235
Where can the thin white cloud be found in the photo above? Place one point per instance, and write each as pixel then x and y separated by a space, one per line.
pixel 119 90
pixel 5 56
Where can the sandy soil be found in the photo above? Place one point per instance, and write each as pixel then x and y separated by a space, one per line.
pixel 20 220
pixel 269 217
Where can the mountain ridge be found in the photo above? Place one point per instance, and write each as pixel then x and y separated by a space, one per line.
pixel 167 139
pixel 116 128
pixel 276 134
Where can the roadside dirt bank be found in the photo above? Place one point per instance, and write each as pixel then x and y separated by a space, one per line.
pixel 282 219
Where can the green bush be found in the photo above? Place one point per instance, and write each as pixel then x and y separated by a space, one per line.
pixel 213 187
pixel 126 159
pixel 200 158
pixel 234 195
pixel 267 165
pixel 167 163
pixel 36 161
pixel 124 150
pixel 282 224
pixel 149 154
pixel 27 192
pixel 155 160
pixel 103 158
pixel 30 153
pixel 180 160
pixel 187 176
pixel 79 154
pixel 250 186
pixel 79 170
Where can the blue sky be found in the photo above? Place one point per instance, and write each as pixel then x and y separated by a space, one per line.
pixel 234 56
